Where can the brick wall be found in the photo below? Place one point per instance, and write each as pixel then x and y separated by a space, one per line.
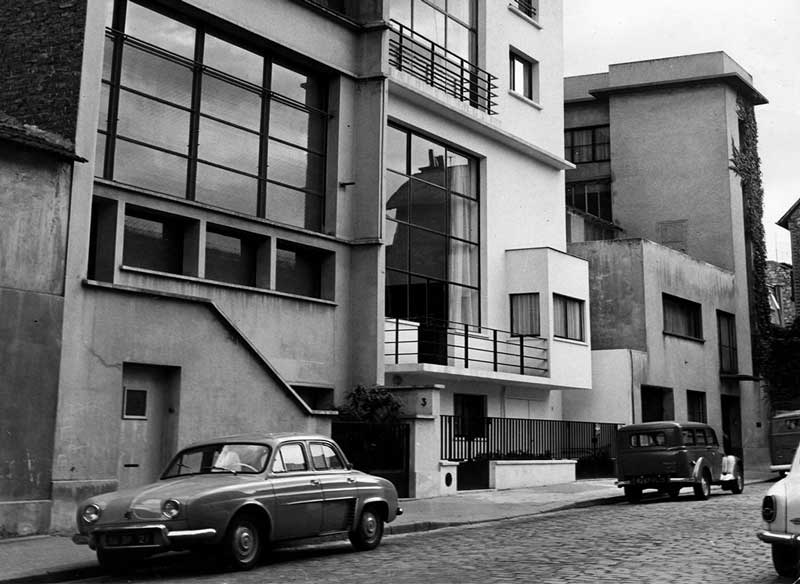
pixel 41 43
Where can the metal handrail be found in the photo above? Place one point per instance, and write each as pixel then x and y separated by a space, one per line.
pixel 527 8
pixel 441 68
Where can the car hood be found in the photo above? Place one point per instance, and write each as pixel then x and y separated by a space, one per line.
pixel 145 502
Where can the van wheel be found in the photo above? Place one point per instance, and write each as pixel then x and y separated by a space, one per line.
pixel 633 494
pixel 737 484
pixel 785 558
pixel 702 490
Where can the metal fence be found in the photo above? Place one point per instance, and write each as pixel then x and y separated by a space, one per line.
pixel 527 7
pixel 422 58
pixel 525 439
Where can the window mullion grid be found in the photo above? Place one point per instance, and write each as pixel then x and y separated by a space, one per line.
pixel 263 153
pixel 194 117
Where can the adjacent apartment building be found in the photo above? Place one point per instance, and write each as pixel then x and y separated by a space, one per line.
pixel 262 205
pixel 655 208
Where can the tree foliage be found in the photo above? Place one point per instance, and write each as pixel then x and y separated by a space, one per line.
pixel 373 404
pixel 782 366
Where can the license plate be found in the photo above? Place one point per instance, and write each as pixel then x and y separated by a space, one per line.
pixel 648 480
pixel 129 539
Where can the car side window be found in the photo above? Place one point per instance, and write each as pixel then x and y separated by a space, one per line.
pixel 688 437
pixel 289 458
pixel 324 457
pixel 701 437
pixel 712 437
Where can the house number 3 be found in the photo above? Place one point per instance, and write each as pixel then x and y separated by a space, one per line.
pixel 423 401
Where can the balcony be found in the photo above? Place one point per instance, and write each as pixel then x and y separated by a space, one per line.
pixel 528 7
pixel 457 345
pixel 420 57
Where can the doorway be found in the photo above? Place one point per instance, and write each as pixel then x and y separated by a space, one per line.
pixel 148 425
pixel 732 425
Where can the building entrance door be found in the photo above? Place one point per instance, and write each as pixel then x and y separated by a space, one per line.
pixel 148 427
pixel 732 425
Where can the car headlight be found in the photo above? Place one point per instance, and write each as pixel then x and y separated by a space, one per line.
pixel 768 509
pixel 90 513
pixel 171 508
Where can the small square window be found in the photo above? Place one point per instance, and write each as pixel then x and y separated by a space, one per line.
pixel 524 78
pixel 568 318
pixel 525 315
pixel 135 406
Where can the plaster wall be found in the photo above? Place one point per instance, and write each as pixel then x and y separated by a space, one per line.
pixel 670 153
pixel 674 68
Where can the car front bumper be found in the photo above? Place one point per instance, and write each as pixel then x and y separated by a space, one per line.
pixel 155 536
pixel 782 538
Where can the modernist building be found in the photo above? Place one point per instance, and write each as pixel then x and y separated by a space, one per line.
pixel 280 201
pixel 652 143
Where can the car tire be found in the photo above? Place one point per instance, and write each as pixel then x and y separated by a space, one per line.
pixel 702 489
pixel 785 558
pixel 368 531
pixel 243 542
pixel 633 494
pixel 117 562
pixel 737 484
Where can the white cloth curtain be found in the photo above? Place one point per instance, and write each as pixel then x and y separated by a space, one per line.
pixel 463 258
pixel 568 317
pixel 525 314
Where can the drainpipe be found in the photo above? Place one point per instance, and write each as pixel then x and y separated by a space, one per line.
pixel 633 385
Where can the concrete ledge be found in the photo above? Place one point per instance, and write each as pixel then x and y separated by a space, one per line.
pixel 516 474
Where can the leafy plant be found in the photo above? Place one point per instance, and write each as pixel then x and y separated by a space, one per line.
pixel 373 404
pixel 782 366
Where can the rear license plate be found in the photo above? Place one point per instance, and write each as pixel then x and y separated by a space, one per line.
pixel 649 480
pixel 129 539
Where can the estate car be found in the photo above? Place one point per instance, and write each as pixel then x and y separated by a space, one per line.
pixel 236 495
pixel 668 456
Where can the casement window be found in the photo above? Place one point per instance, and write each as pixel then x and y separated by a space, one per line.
pixel 682 317
pixel 696 410
pixel 592 197
pixel 451 24
pixel 568 318
pixel 590 144
pixel 302 270
pixel 432 218
pixel 524 76
pixel 728 357
pixel 187 111
pixel 525 315
pixel 154 241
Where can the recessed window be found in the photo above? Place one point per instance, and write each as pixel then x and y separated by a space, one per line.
pixel 728 358
pixel 233 257
pixel 153 241
pixel 135 404
pixel 568 317
pixel 682 317
pixel 524 76
pixel 190 113
pixel 301 270
pixel 525 315
pixel 696 410
pixel 591 144
pixel 470 415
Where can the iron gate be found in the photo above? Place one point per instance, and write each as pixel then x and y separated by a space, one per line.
pixel 378 449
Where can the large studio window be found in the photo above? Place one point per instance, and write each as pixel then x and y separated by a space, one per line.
pixel 432 241
pixel 190 113
pixel 587 144
pixel 682 317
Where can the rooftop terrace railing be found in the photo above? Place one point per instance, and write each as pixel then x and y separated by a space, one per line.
pixel 422 58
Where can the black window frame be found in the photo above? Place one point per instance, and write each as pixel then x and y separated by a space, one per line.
pixel 108 132
pixel 728 350
pixel 697 406
pixel 528 82
pixel 595 148
pixel 692 311
pixel 565 323
pixel 535 299
pixel 599 190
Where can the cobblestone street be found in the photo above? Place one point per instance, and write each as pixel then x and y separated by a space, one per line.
pixel 658 541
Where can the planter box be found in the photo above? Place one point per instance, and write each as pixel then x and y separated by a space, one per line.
pixel 515 474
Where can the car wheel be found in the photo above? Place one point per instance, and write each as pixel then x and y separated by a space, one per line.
pixel 243 542
pixel 737 484
pixel 117 562
pixel 368 532
pixel 785 558
pixel 673 492
pixel 633 494
pixel 702 490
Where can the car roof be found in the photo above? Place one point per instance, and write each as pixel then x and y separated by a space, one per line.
pixel 268 438
pixel 792 414
pixel 660 425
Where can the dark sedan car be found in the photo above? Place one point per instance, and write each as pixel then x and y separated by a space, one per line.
pixel 237 494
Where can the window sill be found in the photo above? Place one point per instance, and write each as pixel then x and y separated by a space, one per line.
pixel 522 98
pixel 684 337
pixel 570 341
pixel 215 283
pixel 524 16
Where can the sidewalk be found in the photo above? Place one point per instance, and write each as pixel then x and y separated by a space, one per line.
pixel 46 558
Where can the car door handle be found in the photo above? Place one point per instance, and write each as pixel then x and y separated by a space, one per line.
pixel 351 480
pixel 314 481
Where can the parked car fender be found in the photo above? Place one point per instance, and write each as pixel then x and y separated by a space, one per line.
pixel 255 508
pixel 381 503
pixel 699 467
pixel 728 465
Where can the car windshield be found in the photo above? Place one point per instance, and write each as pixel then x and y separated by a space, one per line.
pixel 224 458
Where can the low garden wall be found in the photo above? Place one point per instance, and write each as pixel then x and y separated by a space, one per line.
pixel 515 474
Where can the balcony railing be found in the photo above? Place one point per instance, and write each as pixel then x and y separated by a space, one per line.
pixel 527 7
pixel 463 345
pixel 420 57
